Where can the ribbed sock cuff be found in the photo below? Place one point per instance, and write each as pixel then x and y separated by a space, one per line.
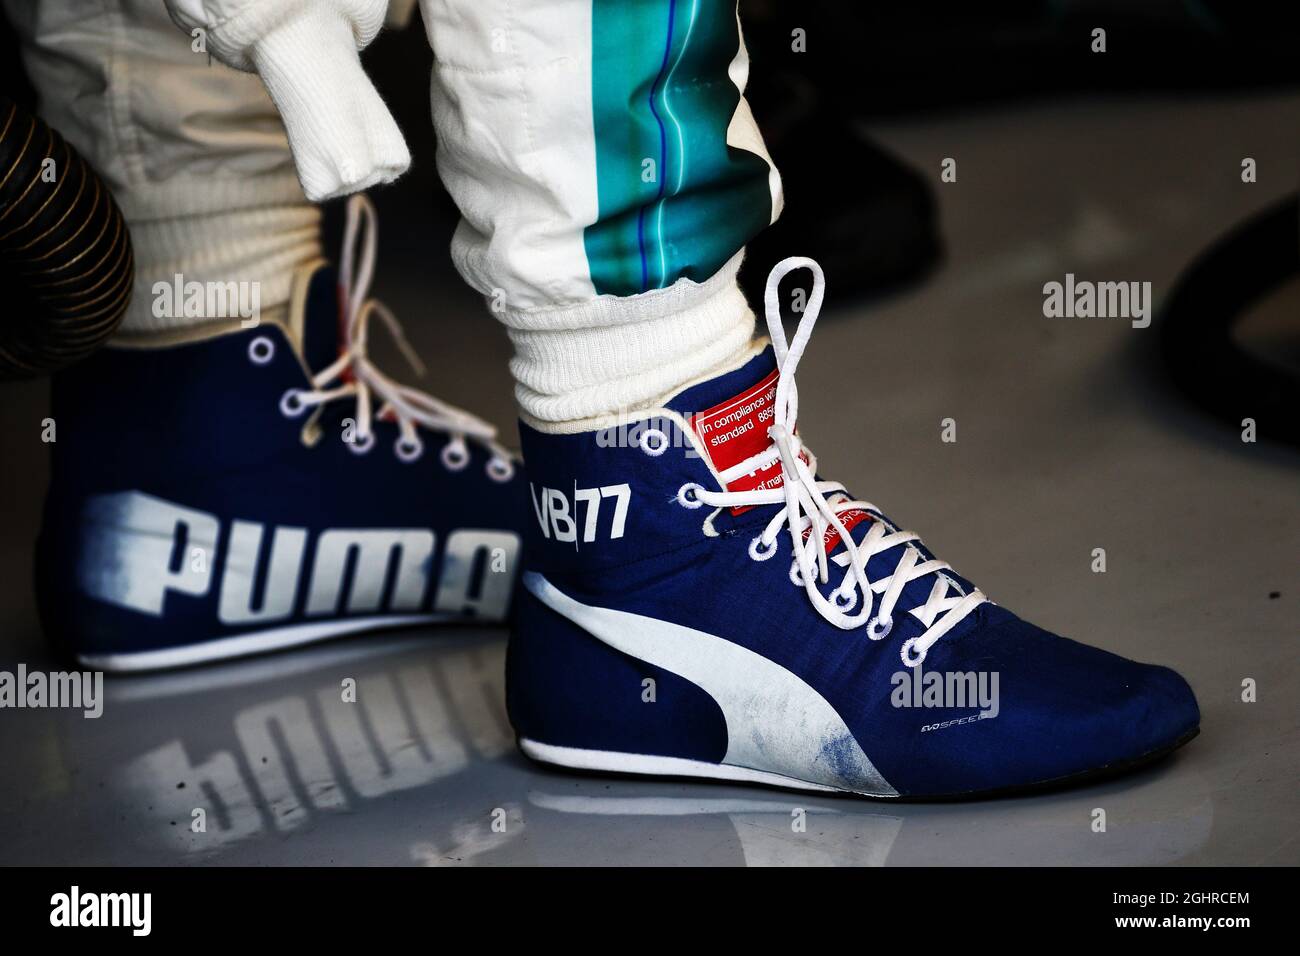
pixel 618 354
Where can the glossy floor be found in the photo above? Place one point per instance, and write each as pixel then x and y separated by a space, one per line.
pixel 1067 442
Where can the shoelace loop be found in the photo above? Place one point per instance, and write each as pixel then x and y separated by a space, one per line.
pixel 810 508
pixel 353 375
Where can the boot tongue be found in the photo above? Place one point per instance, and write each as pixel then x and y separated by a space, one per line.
pixel 730 415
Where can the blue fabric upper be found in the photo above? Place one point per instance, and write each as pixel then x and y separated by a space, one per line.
pixel 199 425
pixel 1064 708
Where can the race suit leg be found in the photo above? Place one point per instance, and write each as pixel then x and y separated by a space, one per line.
pixel 196 153
pixel 609 173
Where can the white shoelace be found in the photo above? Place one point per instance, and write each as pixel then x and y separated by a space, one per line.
pixel 819 505
pixel 353 375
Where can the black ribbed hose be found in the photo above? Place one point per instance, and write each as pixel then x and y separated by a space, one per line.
pixel 1196 325
pixel 65 252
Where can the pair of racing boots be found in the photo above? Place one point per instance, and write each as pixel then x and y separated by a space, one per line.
pixel 695 600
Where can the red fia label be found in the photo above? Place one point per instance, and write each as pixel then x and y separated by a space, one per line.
pixel 736 430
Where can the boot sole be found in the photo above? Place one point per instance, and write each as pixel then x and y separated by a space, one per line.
pixel 648 765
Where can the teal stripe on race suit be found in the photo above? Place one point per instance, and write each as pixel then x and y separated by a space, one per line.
pixel 674 199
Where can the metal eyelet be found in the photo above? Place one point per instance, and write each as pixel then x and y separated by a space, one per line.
pixel 686 495
pixel 291 403
pixel 261 350
pixel 908 659
pixel 408 450
pixel 359 446
pixel 758 552
pixel 878 631
pixel 454 456
pixel 500 469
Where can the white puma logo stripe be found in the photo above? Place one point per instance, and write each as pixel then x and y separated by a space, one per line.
pixel 775 721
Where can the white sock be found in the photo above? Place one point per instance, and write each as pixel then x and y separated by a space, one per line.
pixel 617 354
